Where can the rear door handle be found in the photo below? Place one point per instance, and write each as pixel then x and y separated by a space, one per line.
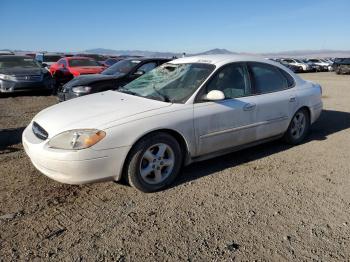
pixel 292 99
pixel 249 107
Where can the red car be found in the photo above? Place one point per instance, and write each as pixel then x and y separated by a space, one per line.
pixel 67 68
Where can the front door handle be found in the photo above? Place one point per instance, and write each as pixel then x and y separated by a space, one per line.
pixel 292 99
pixel 249 107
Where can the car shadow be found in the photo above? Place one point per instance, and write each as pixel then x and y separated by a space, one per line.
pixel 329 122
pixel 10 137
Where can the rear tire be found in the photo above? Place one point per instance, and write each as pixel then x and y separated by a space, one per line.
pixel 153 163
pixel 298 128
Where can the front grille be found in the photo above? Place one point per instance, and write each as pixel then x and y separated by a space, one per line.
pixel 29 78
pixel 39 132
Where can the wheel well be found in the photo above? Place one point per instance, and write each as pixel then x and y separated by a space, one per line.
pixel 178 137
pixel 307 110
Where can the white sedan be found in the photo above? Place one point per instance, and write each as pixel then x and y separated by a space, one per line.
pixel 187 110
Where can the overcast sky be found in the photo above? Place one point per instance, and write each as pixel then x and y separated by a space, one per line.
pixel 177 26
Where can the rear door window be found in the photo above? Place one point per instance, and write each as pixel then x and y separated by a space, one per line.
pixel 266 78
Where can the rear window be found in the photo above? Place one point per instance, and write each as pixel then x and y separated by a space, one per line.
pixel 82 62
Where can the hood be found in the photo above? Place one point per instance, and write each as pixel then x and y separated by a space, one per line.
pixel 22 71
pixel 88 79
pixel 93 111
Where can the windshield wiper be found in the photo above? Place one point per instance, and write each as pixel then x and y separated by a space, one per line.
pixel 163 96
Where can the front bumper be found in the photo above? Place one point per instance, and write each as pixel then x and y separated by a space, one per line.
pixel 74 167
pixel 18 86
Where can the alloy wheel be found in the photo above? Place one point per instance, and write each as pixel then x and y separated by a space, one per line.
pixel 157 163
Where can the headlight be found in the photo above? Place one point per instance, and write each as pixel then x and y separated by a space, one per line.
pixel 77 139
pixel 81 89
pixel 7 77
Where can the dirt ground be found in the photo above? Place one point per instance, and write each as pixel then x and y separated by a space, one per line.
pixel 268 203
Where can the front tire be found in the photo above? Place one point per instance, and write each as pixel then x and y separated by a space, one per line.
pixel 298 128
pixel 154 162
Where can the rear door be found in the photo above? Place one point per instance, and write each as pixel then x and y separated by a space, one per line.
pixel 275 98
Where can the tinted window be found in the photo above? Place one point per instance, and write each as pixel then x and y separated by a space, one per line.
pixel 289 78
pixel 148 67
pixel 17 61
pixel 111 61
pixel 51 58
pixel 232 80
pixel 122 67
pixel 83 62
pixel 266 78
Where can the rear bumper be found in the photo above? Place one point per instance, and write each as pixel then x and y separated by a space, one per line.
pixel 74 167
pixel 316 111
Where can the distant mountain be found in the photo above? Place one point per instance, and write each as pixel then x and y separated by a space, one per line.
pixel 296 53
pixel 215 51
pixel 131 52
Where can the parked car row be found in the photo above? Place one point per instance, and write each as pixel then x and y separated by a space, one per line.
pixel 306 64
pixel 73 75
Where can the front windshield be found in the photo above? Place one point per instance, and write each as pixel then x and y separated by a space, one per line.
pixel 122 67
pixel 170 82
pixel 82 62
pixel 11 62
pixel 298 60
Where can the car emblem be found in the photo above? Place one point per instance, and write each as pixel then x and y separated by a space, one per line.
pixel 26 77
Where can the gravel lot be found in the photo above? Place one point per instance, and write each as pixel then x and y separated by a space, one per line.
pixel 271 202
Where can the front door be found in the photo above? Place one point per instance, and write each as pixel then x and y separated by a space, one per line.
pixel 231 122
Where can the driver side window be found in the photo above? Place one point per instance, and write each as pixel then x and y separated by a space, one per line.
pixel 232 80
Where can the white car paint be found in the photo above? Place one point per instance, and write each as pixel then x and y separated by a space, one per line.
pixel 292 61
pixel 319 62
pixel 206 127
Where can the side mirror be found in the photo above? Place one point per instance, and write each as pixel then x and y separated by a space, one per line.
pixel 214 95
pixel 62 66
pixel 43 65
pixel 139 73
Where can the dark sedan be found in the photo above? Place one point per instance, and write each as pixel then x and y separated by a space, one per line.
pixel 113 77
pixel 23 73
pixel 342 66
